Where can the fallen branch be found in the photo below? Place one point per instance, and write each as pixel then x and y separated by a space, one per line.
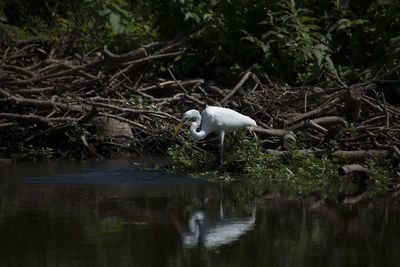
pixel 318 111
pixel 352 168
pixel 237 87
pixel 46 93
pixel 134 111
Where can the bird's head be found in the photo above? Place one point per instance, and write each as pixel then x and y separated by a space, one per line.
pixel 190 114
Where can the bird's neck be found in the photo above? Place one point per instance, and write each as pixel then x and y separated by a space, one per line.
pixel 197 135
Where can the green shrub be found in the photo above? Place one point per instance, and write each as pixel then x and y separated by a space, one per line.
pixel 298 41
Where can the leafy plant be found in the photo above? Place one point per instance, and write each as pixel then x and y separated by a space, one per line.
pixel 37 152
pixel 301 173
pixel 298 41
pixel 292 42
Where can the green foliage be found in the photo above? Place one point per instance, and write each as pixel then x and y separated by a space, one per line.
pixel 293 43
pixel 298 41
pixel 187 157
pixel 380 172
pixel 37 152
pixel 90 24
pixel 301 173
pixel 351 130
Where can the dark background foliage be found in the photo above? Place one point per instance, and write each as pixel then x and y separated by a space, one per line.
pixel 298 42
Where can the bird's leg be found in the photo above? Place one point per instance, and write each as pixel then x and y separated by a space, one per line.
pixel 221 139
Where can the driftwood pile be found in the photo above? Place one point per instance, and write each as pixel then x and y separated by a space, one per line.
pixel 355 119
pixel 77 104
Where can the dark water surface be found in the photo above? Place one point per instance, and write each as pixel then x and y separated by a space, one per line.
pixel 109 213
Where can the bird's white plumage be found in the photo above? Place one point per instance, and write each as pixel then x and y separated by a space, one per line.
pixel 215 119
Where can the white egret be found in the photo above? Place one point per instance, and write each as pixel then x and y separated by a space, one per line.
pixel 215 119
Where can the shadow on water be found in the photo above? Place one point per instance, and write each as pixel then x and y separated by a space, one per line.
pixel 111 214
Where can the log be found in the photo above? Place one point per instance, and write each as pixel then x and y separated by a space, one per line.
pixel 330 121
pixel 28 118
pixel 316 126
pixel 28 102
pixel 353 103
pixel 273 132
pixel 361 155
pixel 326 121
pixel 112 129
pixel 289 140
pixel 116 60
pixel 352 168
pixel 313 113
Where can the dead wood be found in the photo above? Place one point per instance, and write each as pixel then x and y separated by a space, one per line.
pixel 352 168
pixel 324 108
pixel 353 102
pixel 237 87
pixel 47 94
pixel 117 60
pixel 113 129
pixel 170 85
pixel 273 132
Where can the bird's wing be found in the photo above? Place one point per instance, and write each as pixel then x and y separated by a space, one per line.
pixel 209 121
pixel 217 118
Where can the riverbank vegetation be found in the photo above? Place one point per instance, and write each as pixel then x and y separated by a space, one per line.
pixel 90 78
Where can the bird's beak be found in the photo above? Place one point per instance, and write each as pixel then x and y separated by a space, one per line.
pixel 178 128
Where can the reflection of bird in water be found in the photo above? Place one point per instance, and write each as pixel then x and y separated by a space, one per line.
pixel 196 221
pixel 225 231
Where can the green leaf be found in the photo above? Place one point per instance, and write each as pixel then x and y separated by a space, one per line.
pixel 311 27
pixel 207 16
pixel 359 22
pixel 318 55
pixel 115 20
pixel 192 15
pixel 330 64
pixel 305 18
pixel 343 24
pixel 395 51
pixel 395 40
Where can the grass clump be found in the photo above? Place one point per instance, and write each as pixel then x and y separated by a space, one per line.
pixel 246 158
